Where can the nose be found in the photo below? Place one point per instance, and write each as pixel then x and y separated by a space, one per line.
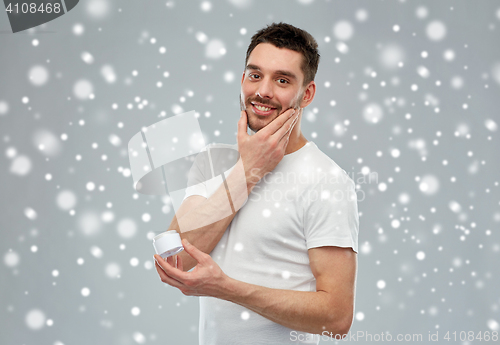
pixel 265 89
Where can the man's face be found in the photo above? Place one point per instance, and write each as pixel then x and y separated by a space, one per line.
pixel 271 84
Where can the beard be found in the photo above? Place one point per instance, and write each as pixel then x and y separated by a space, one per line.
pixel 255 123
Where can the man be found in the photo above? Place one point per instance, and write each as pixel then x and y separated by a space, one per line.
pixel 282 266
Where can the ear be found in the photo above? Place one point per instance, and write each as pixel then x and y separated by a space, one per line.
pixel 309 93
pixel 242 77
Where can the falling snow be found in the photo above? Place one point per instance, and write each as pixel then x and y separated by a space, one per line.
pixel 406 103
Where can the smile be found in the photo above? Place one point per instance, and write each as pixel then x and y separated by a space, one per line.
pixel 261 109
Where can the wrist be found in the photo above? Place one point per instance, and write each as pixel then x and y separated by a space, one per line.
pixel 238 292
pixel 252 177
pixel 227 288
pixel 250 186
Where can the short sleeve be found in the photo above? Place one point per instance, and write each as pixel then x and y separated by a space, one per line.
pixel 331 213
pixel 206 174
pixel 197 176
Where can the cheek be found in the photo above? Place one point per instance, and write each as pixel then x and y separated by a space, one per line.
pixel 297 96
pixel 290 101
pixel 245 93
pixel 296 99
pixel 290 97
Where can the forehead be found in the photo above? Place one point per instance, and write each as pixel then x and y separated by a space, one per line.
pixel 270 58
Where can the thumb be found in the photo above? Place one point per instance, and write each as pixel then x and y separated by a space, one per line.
pixel 242 125
pixel 194 252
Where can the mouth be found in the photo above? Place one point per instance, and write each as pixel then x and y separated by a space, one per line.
pixel 261 109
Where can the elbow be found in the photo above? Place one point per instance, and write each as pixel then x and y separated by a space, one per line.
pixel 345 327
pixel 338 327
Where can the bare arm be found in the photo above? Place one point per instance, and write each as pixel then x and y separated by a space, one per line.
pixel 203 221
pixel 329 308
pixel 326 311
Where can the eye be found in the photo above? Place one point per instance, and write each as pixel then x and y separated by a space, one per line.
pixel 253 76
pixel 282 81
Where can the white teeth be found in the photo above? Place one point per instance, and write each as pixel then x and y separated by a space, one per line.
pixel 262 108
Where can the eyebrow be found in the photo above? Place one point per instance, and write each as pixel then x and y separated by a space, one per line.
pixel 279 72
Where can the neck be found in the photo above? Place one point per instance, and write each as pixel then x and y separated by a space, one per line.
pixel 297 139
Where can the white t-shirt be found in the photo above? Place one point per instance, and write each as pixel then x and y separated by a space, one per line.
pixel 307 201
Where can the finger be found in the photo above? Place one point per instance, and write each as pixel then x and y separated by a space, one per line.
pixel 169 270
pixel 287 128
pixel 167 279
pixel 277 123
pixel 179 263
pixel 242 125
pixel 285 143
pixel 159 261
pixel 194 252
pixel 170 261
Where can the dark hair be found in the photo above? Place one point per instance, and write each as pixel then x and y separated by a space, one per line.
pixel 283 35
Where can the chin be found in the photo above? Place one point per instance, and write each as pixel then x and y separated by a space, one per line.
pixel 254 128
pixel 256 124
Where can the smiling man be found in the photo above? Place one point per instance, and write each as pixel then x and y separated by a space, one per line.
pixel 280 269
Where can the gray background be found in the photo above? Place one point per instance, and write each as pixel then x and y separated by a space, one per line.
pixel 100 239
